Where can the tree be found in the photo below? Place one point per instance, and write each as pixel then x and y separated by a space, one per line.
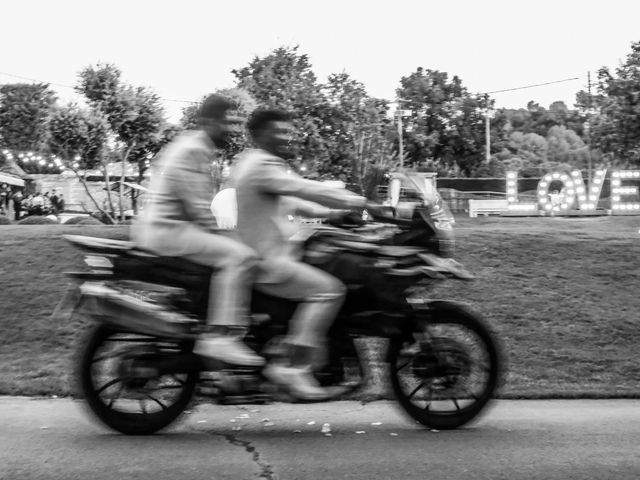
pixel 134 114
pixel 519 136
pixel 358 133
pixel 616 126
pixel 495 168
pixel 565 146
pixel 78 137
pixel 531 148
pixel 446 122
pixel 24 109
pixel 284 79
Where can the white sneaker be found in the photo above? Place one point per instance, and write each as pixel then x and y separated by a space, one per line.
pixel 299 381
pixel 227 349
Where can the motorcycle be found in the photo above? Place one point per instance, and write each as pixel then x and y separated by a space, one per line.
pixel 138 373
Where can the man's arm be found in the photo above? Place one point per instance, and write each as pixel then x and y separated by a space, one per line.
pixel 304 208
pixel 271 177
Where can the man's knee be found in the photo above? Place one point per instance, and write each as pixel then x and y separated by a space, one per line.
pixel 240 255
pixel 328 288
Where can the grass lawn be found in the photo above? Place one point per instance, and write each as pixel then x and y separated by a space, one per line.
pixel 562 294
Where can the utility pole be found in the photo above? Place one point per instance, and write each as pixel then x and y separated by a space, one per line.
pixel 587 124
pixel 487 128
pixel 400 149
pixel 399 113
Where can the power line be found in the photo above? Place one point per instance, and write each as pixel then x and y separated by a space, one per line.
pixel 535 85
pixel 73 88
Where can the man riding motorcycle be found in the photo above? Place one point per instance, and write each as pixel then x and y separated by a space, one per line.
pixel 178 222
pixel 263 185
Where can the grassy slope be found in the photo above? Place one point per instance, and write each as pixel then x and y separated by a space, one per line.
pixel 561 293
pixel 35 354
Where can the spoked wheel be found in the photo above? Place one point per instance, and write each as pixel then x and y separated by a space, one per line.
pixel 445 375
pixel 121 385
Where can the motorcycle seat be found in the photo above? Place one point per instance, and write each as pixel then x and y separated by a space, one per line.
pixel 176 264
pixel 142 265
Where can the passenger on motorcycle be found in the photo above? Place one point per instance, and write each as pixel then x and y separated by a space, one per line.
pixel 263 185
pixel 178 222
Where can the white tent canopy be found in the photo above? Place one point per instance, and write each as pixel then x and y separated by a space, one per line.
pixel 11 180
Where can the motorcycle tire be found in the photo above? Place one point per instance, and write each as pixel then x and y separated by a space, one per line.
pixel 427 368
pixel 143 422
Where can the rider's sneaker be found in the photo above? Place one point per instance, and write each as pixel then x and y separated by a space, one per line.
pixel 227 349
pixel 299 381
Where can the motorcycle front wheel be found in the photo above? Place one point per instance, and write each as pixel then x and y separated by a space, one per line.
pixel 116 377
pixel 444 375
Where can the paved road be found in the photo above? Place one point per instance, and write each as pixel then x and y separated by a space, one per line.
pixel 590 439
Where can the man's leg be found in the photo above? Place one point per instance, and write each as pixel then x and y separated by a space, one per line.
pixel 321 296
pixel 229 297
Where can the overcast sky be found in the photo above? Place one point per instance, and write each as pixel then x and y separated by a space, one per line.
pixel 185 49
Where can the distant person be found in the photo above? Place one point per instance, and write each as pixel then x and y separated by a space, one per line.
pixel 54 202
pixel 4 198
pixel 60 203
pixel 17 198
pixel 555 197
pixel 46 203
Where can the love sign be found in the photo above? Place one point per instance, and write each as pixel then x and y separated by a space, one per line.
pixel 571 192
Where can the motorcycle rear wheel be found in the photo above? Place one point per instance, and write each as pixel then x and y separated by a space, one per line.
pixel 447 373
pixel 130 404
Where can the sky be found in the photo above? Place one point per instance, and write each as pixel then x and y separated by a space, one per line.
pixel 186 49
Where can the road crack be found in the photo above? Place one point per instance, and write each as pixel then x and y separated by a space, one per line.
pixel 266 470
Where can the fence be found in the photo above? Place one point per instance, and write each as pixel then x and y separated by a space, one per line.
pixel 458 202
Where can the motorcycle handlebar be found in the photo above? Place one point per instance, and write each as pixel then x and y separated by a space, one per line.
pixel 376 212
pixel 387 214
pixel 379 211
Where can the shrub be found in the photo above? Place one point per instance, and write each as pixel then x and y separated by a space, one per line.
pixel 37 220
pixel 87 221
pixel 4 220
pixel 76 220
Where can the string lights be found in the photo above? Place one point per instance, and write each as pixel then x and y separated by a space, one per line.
pixel 618 191
pixel 43 163
pixel 32 162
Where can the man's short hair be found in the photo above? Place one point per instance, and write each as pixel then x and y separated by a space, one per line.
pixel 261 118
pixel 214 107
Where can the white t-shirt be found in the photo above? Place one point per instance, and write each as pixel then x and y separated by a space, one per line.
pixel 225 208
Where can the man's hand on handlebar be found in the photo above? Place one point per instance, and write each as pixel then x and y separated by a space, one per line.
pixel 379 212
pixel 346 217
